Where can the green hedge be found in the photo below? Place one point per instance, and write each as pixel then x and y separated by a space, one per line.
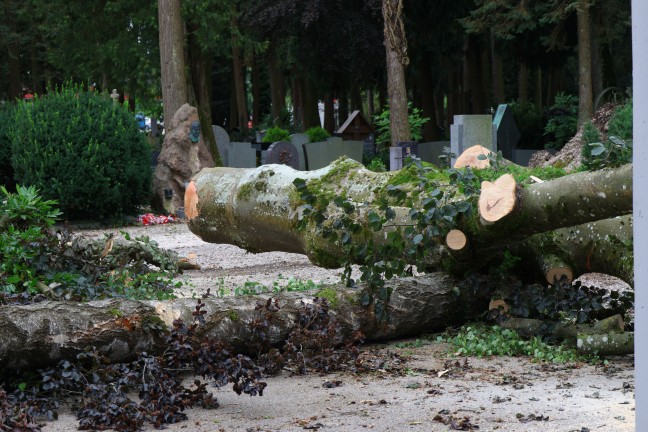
pixel 82 150
pixel 6 170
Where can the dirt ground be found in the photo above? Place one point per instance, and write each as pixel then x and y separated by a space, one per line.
pixel 419 385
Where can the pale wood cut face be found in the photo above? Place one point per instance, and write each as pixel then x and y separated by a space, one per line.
pixel 191 201
pixel 456 240
pixel 470 158
pixel 497 199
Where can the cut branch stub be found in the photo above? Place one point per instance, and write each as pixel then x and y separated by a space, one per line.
pixel 470 158
pixel 456 240
pixel 497 199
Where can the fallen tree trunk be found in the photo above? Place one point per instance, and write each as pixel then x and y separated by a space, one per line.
pixel 534 327
pixel 606 343
pixel 260 209
pixel 43 333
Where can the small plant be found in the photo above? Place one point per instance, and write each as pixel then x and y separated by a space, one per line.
pixel 620 124
pixel 377 165
pixel 480 341
pixel 563 120
pixel 275 134
pixel 415 119
pixel 317 134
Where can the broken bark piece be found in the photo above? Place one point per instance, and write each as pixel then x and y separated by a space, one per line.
pixel 497 199
pixel 191 201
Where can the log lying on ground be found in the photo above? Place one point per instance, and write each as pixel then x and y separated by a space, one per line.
pixel 259 209
pixel 606 343
pixel 43 333
pixel 534 327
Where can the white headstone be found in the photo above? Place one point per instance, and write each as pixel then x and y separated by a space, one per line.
pixel 471 130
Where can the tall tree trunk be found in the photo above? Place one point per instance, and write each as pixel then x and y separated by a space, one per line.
pixel 371 110
pixel 256 92
pixel 201 80
pixel 356 99
pixel 426 84
pixel 297 99
pixel 343 107
pixel 538 88
pixel 234 119
pixel 585 98
pixel 237 66
pixel 498 72
pixel 329 113
pixel 397 60
pixel 277 88
pixel 14 90
pixel 310 113
pixel 172 57
pixel 597 60
pixel 523 82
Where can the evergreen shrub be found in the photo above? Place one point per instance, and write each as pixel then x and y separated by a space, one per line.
pixel 83 151
pixel 317 134
pixel 275 134
pixel 562 123
pixel 621 122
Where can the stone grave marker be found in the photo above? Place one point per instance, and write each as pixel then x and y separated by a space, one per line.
pixel 321 154
pixel 222 142
pixel 369 147
pixel 430 151
pixel 508 133
pixel 241 155
pixel 471 130
pixel 297 140
pixel 284 153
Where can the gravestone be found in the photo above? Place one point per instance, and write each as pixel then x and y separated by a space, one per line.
pixel 471 130
pixel 297 140
pixel 508 133
pixel 369 147
pixel 321 154
pixel 222 142
pixel 284 153
pixel 241 155
pixel 430 151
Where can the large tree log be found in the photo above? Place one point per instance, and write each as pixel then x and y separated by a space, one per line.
pixel 43 333
pixel 259 210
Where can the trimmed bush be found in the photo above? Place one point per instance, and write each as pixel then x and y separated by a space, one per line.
pixel 83 151
pixel 317 134
pixel 275 134
pixel 6 170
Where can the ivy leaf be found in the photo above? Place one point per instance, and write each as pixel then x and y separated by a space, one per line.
pixel 418 238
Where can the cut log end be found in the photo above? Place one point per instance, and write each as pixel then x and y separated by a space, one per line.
pixel 557 273
pixel 471 158
pixel 456 240
pixel 191 201
pixel 497 199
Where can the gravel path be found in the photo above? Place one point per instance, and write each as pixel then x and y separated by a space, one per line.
pixel 419 386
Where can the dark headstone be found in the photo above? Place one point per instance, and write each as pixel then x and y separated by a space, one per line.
pixel 284 153
pixel 369 147
pixel 508 133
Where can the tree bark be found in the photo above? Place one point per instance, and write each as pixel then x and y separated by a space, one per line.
pixel 237 67
pixel 397 60
pixel 201 79
pixel 172 57
pixel 606 343
pixel 585 98
pixel 13 53
pixel 498 72
pixel 310 112
pixel 277 88
pixel 534 327
pixel 258 210
pixel 43 333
